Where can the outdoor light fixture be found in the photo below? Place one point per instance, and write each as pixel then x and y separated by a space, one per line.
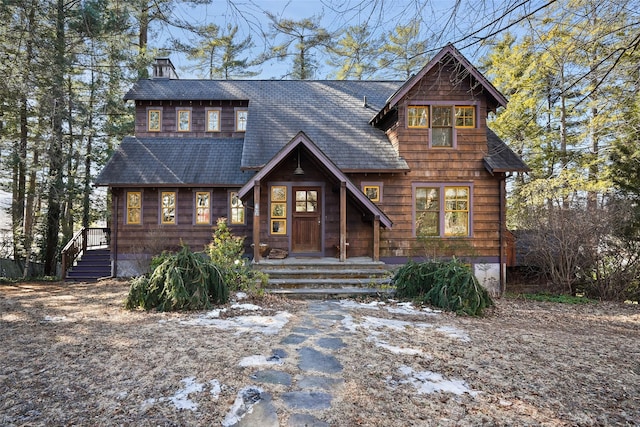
pixel 298 170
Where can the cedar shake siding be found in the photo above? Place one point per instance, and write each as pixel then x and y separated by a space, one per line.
pixel 326 141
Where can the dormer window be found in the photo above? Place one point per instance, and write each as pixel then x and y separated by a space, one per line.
pixel 213 120
pixel 184 120
pixel 241 120
pixel 154 120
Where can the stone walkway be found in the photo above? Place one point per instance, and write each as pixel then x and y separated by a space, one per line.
pixel 313 339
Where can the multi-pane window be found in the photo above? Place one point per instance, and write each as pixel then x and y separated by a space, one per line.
pixel 241 120
pixel 427 211
pixel 441 128
pixel 236 208
pixel 372 192
pixel 184 120
pixel 465 117
pixel 306 201
pixel 418 116
pixel 442 120
pixel 442 211
pixel 154 120
pixel 278 209
pixel 456 211
pixel 168 208
pixel 134 207
pixel 203 207
pixel 213 120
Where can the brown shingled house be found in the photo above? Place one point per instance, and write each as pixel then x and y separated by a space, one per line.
pixel 379 169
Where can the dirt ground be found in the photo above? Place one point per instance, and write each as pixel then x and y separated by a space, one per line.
pixel 71 355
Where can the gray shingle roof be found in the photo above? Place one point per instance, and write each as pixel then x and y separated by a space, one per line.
pixel 500 157
pixel 149 161
pixel 331 113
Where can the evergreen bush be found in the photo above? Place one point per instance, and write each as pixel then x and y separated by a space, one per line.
pixel 182 281
pixel 451 286
pixel 226 251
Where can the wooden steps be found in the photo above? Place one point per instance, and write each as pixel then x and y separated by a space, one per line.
pixel 93 265
pixel 326 277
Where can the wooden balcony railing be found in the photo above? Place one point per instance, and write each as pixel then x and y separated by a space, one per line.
pixel 84 239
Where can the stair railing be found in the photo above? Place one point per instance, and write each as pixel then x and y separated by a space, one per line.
pixel 84 239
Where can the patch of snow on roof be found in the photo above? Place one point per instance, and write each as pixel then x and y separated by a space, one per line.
pixel 427 382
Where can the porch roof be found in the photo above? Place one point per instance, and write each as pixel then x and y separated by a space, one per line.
pixel 302 139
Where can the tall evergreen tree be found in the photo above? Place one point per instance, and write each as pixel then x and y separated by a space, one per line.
pixel 355 54
pixel 301 40
pixel 403 54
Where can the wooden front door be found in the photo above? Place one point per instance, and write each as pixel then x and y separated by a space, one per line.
pixel 306 220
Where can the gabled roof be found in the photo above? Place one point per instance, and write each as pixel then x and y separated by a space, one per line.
pixel 303 140
pixel 166 161
pixel 450 52
pixel 500 157
pixel 334 114
pixel 447 54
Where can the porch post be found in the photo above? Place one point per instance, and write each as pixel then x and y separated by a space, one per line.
pixel 376 238
pixel 343 221
pixel 256 221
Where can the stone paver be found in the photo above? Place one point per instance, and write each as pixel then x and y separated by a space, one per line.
pixel 320 370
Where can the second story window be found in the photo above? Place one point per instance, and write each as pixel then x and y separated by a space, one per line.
pixel 184 120
pixel 154 120
pixel 418 116
pixel 213 120
pixel 241 120
pixel 441 127
pixel 465 116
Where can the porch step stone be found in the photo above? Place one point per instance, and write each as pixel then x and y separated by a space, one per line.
pixel 325 277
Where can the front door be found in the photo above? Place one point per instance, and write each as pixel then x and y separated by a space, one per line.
pixel 307 220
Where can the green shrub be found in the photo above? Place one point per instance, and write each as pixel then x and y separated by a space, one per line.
pixel 451 286
pixel 226 251
pixel 181 281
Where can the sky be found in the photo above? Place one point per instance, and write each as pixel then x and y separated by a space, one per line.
pixel 442 21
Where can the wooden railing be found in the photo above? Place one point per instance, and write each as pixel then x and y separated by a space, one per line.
pixel 84 239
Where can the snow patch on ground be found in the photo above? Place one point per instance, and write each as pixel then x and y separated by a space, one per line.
pixel 397 350
pixel 245 400
pixel 181 399
pixel 55 319
pixel 268 325
pixel 456 333
pixel 428 382
pixel 259 360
